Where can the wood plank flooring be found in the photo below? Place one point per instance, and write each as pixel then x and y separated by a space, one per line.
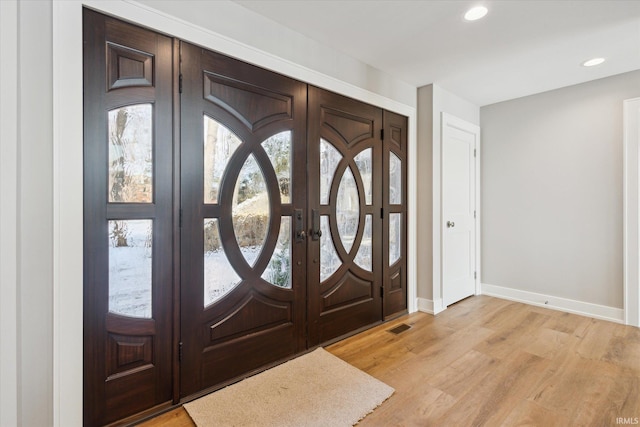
pixel 487 361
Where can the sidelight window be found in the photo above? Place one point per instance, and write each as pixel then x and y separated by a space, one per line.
pixel 130 260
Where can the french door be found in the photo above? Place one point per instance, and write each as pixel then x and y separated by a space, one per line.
pixel 233 218
pixel 243 188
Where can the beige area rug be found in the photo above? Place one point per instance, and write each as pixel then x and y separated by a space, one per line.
pixel 316 389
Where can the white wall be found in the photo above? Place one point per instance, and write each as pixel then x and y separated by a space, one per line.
pixel 552 192
pixel 433 100
pixel 425 194
pixel 245 26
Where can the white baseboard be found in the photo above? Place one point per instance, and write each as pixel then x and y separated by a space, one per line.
pixel 430 306
pixel 425 305
pixel 438 306
pixel 603 312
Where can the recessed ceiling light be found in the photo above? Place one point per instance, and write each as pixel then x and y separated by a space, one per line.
pixel 593 62
pixel 476 13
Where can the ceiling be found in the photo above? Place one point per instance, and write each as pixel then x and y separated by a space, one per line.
pixel 518 49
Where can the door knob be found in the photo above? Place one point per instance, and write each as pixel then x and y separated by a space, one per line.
pixel 450 224
pixel 316 233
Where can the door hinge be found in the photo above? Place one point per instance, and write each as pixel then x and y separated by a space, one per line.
pixel 180 83
pixel 381 213
pixel 180 352
pixel 180 219
pixel 474 214
pixel 382 134
pixel 381 291
pixel 475 275
pixel 474 152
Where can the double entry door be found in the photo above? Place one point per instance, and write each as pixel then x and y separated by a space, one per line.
pixel 282 218
pixel 234 217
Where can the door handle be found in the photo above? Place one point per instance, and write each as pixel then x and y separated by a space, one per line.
pixel 450 224
pixel 299 226
pixel 316 233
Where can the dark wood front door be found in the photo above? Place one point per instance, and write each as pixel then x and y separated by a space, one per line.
pixel 243 192
pixel 128 221
pixel 345 212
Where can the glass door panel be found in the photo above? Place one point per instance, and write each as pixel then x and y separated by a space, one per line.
pixel 329 159
pixel 365 251
pixel 278 272
pixel 329 259
pixel 130 272
pixel 131 154
pixel 347 210
pixel 278 148
pixel 364 164
pixel 251 210
pixel 395 179
pixel 219 145
pixel 395 237
pixel 219 276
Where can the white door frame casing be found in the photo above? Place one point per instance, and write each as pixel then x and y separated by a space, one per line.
pixel 9 220
pixel 631 141
pixel 438 217
pixel 67 141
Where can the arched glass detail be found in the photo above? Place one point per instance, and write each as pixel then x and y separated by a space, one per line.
pixel 130 261
pixel 395 237
pixel 329 159
pixel 329 259
pixel 131 154
pixel 250 210
pixel 278 272
pixel 278 148
pixel 395 180
pixel 347 209
pixel 365 168
pixel 364 256
pixel 219 145
pixel 219 276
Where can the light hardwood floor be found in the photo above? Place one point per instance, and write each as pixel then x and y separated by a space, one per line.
pixel 486 361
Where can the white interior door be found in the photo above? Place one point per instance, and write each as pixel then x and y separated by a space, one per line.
pixel 459 230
